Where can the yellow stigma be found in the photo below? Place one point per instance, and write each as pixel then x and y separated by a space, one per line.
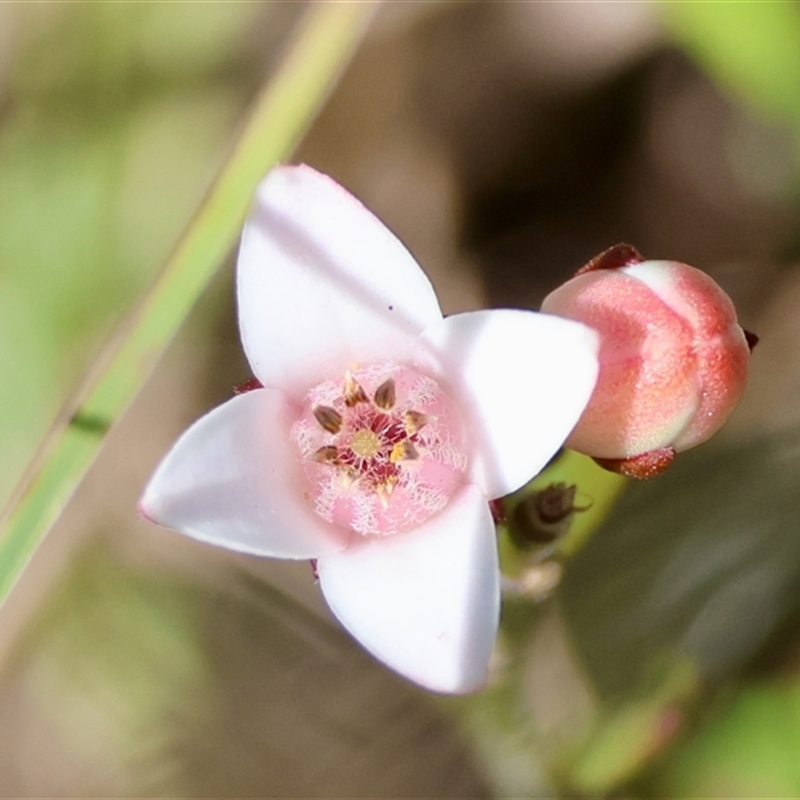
pixel 365 443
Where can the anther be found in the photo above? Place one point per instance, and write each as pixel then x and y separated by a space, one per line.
pixel 384 490
pixel 329 418
pixel 403 451
pixel 353 393
pixel 386 395
pixel 415 421
pixel 348 477
pixel 326 455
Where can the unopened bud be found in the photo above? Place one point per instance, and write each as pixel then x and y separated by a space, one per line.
pixel 673 359
pixel 544 515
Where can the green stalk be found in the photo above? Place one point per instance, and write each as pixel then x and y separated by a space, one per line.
pixel 326 38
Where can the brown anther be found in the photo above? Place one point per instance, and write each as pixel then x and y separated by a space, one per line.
pixel 329 418
pixel 403 451
pixel 386 395
pixel 326 455
pixel 353 392
pixel 415 421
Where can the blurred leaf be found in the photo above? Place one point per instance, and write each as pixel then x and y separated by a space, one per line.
pixel 750 750
pixel 627 737
pixel 56 202
pixel 689 575
pixel 102 162
pixel 751 48
pixel 503 734
pixel 27 352
pixel 702 562
pixel 168 38
pixel 324 42
pixel 116 666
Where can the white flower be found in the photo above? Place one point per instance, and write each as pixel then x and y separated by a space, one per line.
pixel 380 433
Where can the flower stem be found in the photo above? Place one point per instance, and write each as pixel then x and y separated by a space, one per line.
pixel 325 39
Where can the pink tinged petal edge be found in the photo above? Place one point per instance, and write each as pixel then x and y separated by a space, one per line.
pixel 231 480
pixel 322 282
pixel 647 389
pixel 425 603
pixel 689 292
pixel 720 344
pixel 524 379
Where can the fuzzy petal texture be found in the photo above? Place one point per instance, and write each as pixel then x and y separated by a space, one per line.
pixel 231 480
pixel 425 603
pixel 523 379
pixel 321 282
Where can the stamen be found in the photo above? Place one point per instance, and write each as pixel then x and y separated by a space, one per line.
pixel 386 395
pixel 353 393
pixel 403 451
pixel 415 421
pixel 348 477
pixel 329 418
pixel 364 462
pixel 326 455
pixel 384 490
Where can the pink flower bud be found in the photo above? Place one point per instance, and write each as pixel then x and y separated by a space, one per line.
pixel 673 359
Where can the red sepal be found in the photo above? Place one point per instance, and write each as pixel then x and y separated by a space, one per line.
pixel 752 339
pixel 644 466
pixel 616 257
pixel 248 386
pixel 498 510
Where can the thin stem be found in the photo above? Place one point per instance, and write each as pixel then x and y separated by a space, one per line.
pixel 326 38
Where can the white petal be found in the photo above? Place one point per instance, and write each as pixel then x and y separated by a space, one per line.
pixel 426 603
pixel 231 480
pixel 323 283
pixel 524 379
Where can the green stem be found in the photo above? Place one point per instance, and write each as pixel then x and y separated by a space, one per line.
pixel 326 38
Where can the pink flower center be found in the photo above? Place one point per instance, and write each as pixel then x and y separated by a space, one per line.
pixel 382 449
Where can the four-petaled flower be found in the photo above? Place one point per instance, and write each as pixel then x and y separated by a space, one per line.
pixel 380 433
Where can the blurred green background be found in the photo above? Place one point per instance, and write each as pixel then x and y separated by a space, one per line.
pixel 506 143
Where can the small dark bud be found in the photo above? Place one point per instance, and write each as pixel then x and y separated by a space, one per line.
pixel 544 516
